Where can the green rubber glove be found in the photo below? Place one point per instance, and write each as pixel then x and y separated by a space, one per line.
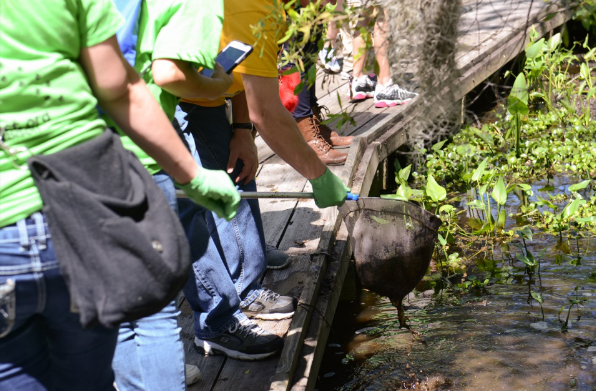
pixel 329 190
pixel 214 190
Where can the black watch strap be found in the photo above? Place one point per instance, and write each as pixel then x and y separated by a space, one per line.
pixel 243 125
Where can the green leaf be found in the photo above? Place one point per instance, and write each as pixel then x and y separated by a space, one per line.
pixel 562 247
pixel 465 149
pixel 479 172
pixel 554 41
pixel 404 173
pixel 520 89
pixel 501 219
pixel 526 188
pixel 534 50
pixel 476 204
pixel 526 233
pixel 538 297
pixel 404 192
pixel 442 240
pixel 482 190
pixel 499 193
pixel 580 186
pixel 547 203
pixel 475 224
pixel 446 208
pixel 516 106
pixel 572 208
pixel 435 191
pixel 591 219
pixel 437 147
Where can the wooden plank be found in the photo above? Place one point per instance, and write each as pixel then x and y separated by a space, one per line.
pixel 315 342
pixel 276 212
pixel 209 365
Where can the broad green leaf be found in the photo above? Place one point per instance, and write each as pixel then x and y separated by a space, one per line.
pixel 446 208
pixel 562 247
pixel 580 186
pixel 404 191
pixel 404 173
pixel 572 208
pixel 435 191
pixel 547 203
pixel 538 297
pixel 554 41
pixel 520 89
pixel 501 219
pixel 465 149
pixel 499 193
pixel 484 135
pixel 479 172
pixel 534 50
pixel 591 219
pixel 475 224
pixel 437 147
pixel 526 232
pixel 516 106
pixel 482 190
pixel 442 240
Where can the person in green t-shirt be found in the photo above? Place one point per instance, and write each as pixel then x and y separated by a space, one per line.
pixel 58 60
pixel 150 352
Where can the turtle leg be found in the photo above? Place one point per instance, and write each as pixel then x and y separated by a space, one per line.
pixel 401 315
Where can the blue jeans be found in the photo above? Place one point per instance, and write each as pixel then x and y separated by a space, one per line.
pixel 42 344
pixel 150 353
pixel 229 257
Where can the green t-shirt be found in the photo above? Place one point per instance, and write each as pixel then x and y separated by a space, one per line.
pixel 187 30
pixel 46 104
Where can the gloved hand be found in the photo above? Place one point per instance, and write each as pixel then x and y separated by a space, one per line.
pixel 329 190
pixel 215 191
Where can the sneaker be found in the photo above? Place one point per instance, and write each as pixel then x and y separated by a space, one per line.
pixel 244 340
pixel 270 306
pixel 277 259
pixel 329 60
pixel 392 95
pixel 362 88
pixel 192 373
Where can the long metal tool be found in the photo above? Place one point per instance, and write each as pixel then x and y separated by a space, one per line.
pixel 274 194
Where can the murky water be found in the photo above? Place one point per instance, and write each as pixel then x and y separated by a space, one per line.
pixel 491 338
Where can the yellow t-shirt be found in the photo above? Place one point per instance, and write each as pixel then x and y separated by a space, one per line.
pixel 239 16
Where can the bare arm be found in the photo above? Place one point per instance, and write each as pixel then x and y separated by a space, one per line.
pixel 242 145
pixel 277 126
pixel 179 78
pixel 127 100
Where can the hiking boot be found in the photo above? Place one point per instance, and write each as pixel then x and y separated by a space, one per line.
pixel 244 340
pixel 192 374
pixel 277 259
pixel 270 306
pixel 329 60
pixel 392 95
pixel 362 87
pixel 310 131
pixel 331 136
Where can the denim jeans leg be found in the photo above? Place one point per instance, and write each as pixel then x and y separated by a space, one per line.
pixel 43 345
pixel 228 268
pixel 150 353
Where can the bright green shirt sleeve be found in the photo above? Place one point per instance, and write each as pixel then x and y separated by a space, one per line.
pixel 191 33
pixel 98 21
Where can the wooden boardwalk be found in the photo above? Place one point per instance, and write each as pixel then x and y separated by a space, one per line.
pixel 493 33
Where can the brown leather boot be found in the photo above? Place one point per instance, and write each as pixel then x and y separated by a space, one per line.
pixel 331 136
pixel 311 133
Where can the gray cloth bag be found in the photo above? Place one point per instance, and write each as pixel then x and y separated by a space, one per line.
pixel 121 248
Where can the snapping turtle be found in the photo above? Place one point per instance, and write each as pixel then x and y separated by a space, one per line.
pixel 393 243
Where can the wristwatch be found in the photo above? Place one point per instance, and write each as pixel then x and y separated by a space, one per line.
pixel 244 125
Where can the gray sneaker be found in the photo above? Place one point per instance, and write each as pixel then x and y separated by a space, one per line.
pixel 270 306
pixel 392 95
pixel 244 340
pixel 277 259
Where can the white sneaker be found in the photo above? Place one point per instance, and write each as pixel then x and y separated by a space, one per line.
pixel 329 60
pixel 362 88
pixel 193 374
pixel 392 95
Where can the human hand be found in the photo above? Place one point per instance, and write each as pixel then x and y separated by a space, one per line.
pixel 214 190
pixel 242 146
pixel 329 190
pixel 220 81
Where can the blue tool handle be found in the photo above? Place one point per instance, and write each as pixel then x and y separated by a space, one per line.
pixel 352 197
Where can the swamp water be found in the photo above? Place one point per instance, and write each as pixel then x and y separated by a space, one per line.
pixel 491 337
